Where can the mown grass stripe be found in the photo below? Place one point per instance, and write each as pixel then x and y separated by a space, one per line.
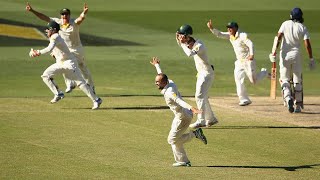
pixel 21 32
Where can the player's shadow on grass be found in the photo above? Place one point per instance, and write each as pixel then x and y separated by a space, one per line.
pixel 86 39
pixel 140 108
pixel 264 127
pixel 287 168
pixel 129 108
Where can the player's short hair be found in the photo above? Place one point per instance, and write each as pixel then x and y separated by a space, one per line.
pixel 164 77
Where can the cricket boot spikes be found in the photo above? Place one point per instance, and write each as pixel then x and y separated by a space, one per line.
pixel 199 135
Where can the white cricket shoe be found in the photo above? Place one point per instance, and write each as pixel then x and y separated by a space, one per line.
pixel 97 103
pixel 211 123
pixel 196 125
pixel 181 164
pixel 69 89
pixel 245 103
pixel 57 98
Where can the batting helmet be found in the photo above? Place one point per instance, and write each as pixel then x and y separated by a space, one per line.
pixel 296 14
pixel 52 25
pixel 185 30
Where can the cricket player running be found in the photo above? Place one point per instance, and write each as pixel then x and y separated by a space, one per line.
pixel 183 113
pixel 197 50
pixel 66 63
pixel 291 33
pixel 245 65
pixel 70 32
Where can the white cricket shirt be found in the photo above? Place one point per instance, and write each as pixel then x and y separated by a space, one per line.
pixel 174 100
pixel 242 45
pixel 70 33
pixel 199 53
pixel 293 33
pixel 59 49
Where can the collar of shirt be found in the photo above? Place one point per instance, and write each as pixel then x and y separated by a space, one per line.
pixel 65 26
pixel 236 35
pixel 163 91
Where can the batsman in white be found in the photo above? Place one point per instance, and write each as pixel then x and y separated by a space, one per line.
pixel 197 50
pixel 183 113
pixel 291 33
pixel 70 32
pixel 245 64
pixel 66 63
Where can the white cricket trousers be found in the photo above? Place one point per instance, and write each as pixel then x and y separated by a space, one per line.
pixel 243 68
pixel 70 69
pixel 203 85
pixel 79 54
pixel 177 136
pixel 290 67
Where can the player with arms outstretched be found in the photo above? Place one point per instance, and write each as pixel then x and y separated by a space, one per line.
pixel 205 74
pixel 70 32
pixel 183 113
pixel 66 64
pixel 245 64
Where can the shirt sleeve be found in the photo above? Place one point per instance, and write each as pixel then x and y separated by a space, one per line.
pixel 158 68
pixel 247 42
pixel 281 29
pixel 219 34
pixel 172 95
pixel 182 103
pixel 306 34
pixel 74 22
pixel 188 51
pixel 57 20
pixel 51 45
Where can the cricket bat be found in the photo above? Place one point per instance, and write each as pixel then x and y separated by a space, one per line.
pixel 273 86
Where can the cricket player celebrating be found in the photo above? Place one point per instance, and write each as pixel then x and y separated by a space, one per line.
pixel 291 33
pixel 197 50
pixel 245 65
pixel 65 63
pixel 183 113
pixel 70 32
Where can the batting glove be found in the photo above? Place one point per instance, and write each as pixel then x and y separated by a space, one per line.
pixel 272 58
pixel 312 64
pixel 34 53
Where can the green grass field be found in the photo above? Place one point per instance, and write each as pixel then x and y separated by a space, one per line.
pixel 126 138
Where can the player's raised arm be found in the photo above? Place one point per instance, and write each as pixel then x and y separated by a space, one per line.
pixel 216 32
pixel 82 16
pixel 38 14
pixel 156 63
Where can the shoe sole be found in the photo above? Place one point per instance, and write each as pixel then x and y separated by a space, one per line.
pixel 198 126
pixel 203 139
pixel 245 104
pixel 182 165
pixel 52 102
pixel 211 124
